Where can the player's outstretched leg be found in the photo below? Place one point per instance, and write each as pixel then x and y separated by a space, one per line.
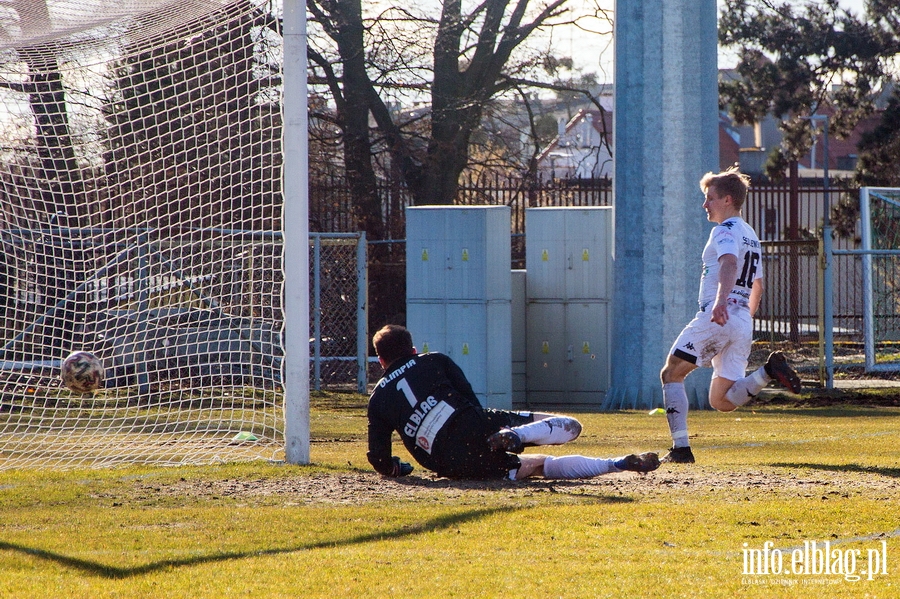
pixel 554 430
pixel 641 462
pixel 777 367
pixel 578 466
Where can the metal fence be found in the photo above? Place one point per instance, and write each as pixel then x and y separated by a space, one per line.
pixel 331 208
pixel 789 222
pixel 827 343
pixel 338 283
pixel 879 258
pixel 205 309
pixel 173 308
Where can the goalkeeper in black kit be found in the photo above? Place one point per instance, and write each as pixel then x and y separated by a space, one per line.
pixel 428 401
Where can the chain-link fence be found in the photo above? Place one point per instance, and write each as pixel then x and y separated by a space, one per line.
pixel 876 279
pixel 790 312
pixel 854 336
pixel 338 284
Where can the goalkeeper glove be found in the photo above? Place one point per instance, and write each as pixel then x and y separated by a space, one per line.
pixel 401 468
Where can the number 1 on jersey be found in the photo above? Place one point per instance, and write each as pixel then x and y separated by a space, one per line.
pixel 408 392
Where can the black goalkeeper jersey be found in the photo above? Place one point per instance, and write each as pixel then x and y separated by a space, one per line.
pixel 423 398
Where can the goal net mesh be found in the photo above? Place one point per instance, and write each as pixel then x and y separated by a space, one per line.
pixel 140 220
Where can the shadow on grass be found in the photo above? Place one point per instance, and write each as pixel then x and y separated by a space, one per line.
pixel 113 572
pixel 574 487
pixel 890 472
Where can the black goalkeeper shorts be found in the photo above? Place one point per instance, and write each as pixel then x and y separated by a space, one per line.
pixel 464 452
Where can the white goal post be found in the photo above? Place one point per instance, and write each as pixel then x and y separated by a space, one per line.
pixel 296 223
pixel 153 211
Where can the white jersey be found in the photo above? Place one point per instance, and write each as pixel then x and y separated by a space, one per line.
pixel 736 237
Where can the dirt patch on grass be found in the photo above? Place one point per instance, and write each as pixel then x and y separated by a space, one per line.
pixel 361 488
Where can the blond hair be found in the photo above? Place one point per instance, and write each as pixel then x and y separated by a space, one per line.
pixel 730 182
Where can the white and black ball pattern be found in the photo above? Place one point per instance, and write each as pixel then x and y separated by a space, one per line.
pixel 82 372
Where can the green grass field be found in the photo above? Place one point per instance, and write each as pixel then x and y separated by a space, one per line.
pixel 770 481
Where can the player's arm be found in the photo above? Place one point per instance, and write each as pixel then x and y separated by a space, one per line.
pixel 756 292
pixel 727 278
pixel 379 453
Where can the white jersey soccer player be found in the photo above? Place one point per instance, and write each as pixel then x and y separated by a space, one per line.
pixel 726 347
pixel 721 333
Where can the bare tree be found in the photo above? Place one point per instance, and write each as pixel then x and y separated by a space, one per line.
pixel 58 272
pixel 47 100
pixel 458 63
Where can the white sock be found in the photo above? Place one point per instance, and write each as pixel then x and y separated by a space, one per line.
pixel 550 431
pixel 745 389
pixel 676 402
pixel 577 466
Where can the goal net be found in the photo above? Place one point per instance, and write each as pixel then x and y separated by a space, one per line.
pixel 140 219
pixel 880 251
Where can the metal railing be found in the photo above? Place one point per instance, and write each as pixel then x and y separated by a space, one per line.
pixel 338 310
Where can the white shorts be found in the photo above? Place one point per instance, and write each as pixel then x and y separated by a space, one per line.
pixel 725 348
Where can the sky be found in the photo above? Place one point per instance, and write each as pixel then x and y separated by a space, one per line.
pixel 594 53
pixel 591 52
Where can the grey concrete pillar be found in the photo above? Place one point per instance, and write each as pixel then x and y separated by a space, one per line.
pixel 666 138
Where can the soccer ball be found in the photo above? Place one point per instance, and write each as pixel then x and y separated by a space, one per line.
pixel 82 372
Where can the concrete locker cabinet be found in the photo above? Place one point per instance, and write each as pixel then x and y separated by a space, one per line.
pixel 569 286
pixel 458 292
